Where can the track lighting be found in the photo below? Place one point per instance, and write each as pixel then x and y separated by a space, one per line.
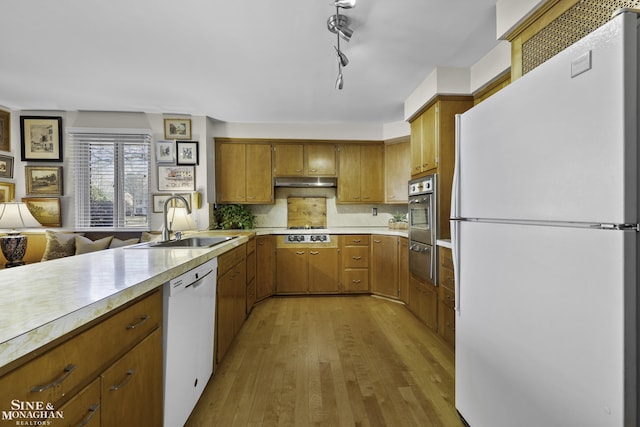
pixel 339 25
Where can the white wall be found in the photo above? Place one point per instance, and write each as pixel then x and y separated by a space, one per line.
pixel 510 13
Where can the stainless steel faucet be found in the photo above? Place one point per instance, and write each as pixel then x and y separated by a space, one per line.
pixel 166 233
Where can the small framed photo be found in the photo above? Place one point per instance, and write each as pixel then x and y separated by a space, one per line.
pixel 41 138
pixel 44 180
pixel 176 178
pixel 187 152
pixel 6 166
pixel 45 209
pixel 177 128
pixel 165 152
pixel 5 130
pixel 7 192
pixel 159 199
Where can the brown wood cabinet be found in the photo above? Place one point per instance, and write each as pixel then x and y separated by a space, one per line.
pixel 310 268
pixel 423 302
pixel 360 173
pixel 265 266
pixel 243 173
pixel 309 159
pixel 354 263
pixel 446 296
pixel 231 298
pixel 433 150
pixel 397 172
pixel 251 273
pixel 72 372
pixel 384 265
pixel 403 269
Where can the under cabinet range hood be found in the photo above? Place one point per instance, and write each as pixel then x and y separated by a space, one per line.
pixel 306 181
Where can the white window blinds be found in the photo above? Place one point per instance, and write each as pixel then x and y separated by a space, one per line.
pixel 112 171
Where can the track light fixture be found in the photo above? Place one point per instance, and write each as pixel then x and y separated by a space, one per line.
pixel 339 25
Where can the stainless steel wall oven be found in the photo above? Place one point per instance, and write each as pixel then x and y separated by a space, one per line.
pixel 422 233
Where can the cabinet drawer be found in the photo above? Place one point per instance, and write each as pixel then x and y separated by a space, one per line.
pixel 355 257
pixel 82 410
pixel 355 280
pixel 231 258
pixel 448 298
pixel 64 368
pixel 356 240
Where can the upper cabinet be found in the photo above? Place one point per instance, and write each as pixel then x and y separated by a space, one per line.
pixel 360 173
pixel 310 159
pixel 243 173
pixel 433 149
pixel 397 171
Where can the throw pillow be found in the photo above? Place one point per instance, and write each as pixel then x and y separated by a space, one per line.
pixel 117 243
pixel 85 245
pixel 150 237
pixel 59 245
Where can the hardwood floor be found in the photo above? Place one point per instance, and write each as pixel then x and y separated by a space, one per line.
pixel 331 361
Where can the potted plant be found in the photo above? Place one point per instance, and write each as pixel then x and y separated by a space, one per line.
pixel 234 217
pixel 399 221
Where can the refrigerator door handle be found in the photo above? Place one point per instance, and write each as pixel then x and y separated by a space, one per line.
pixel 455 217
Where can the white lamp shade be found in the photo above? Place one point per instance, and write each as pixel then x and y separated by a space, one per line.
pixel 15 215
pixel 179 220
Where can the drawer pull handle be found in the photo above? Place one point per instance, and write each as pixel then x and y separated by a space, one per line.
pixel 357 240
pixel 117 387
pixel 314 252
pixel 356 281
pixel 66 372
pixel 143 319
pixel 357 258
pixel 299 252
pixel 92 411
pixel 377 241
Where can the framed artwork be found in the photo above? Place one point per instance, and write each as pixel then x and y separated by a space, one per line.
pixel 43 180
pixel 177 128
pixel 187 152
pixel 6 166
pixel 5 130
pixel 7 192
pixel 41 138
pixel 45 209
pixel 159 199
pixel 165 151
pixel 176 178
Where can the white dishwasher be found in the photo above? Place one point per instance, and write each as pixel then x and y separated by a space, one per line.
pixel 189 321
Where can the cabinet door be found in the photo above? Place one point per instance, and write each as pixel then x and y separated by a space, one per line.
pixel 323 270
pixel 132 387
pixel 292 271
pixel 397 170
pixel 82 410
pixel 403 269
pixel 289 159
pixel 224 314
pixel 416 146
pixel 423 302
pixel 265 266
pixel 429 132
pixel 372 173
pixel 384 266
pixel 320 159
pixel 259 181
pixel 230 176
pixel 349 173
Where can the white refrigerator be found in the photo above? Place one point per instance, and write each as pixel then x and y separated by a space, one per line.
pixel 545 242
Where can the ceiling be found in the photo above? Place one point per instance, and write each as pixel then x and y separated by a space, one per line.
pixel 256 61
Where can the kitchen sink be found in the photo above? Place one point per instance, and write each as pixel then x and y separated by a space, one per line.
pixel 189 242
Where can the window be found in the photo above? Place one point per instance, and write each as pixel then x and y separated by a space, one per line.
pixel 111 170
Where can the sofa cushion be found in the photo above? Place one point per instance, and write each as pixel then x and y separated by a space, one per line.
pixel 150 237
pixel 117 243
pixel 85 245
pixel 59 245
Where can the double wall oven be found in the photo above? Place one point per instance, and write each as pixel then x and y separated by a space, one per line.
pixel 422 233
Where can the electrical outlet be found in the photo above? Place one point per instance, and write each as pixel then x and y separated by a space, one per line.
pixel 374 211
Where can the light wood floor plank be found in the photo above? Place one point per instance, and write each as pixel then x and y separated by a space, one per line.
pixel 331 361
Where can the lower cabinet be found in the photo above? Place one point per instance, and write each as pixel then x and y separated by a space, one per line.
pixel 384 265
pixel 265 266
pixel 354 263
pixel 231 298
pixel 301 270
pixel 423 302
pixel 447 296
pixel 108 374
pixel 403 269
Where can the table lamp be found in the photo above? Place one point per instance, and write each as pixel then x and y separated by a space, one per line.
pixel 15 215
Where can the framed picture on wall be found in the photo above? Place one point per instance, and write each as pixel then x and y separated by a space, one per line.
pixel 176 178
pixel 41 138
pixel 165 152
pixel 45 209
pixel 7 192
pixel 6 166
pixel 44 180
pixel 177 128
pixel 159 199
pixel 5 130
pixel 187 152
